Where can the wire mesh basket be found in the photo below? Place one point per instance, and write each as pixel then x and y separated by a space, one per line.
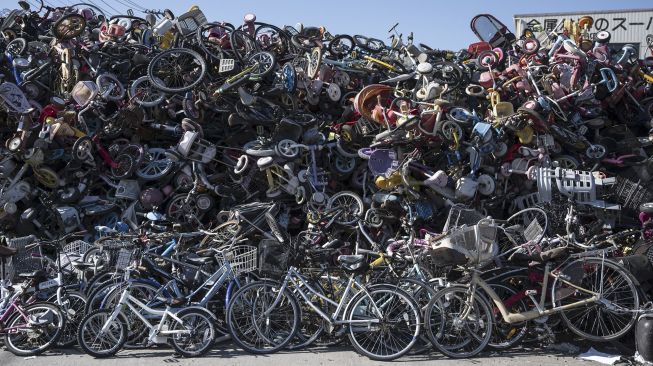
pixel 241 258
pixel 23 261
pixel 471 245
pixel 123 258
pixel 77 248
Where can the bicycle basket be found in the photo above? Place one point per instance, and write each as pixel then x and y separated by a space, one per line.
pixel 471 245
pixel 123 258
pixel 273 257
pixel 241 258
pixel 460 215
pixel 76 248
pixel 22 261
pixel 190 21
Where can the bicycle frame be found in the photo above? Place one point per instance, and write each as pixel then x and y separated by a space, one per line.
pixel 137 307
pixel 539 310
pixel 294 277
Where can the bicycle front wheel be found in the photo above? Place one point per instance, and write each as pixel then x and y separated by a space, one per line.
pixel 384 322
pixel 32 331
pixel 458 323
pixel 609 318
pixel 97 341
pixel 258 326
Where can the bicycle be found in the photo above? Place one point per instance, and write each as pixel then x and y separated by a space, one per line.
pixel 191 330
pixel 383 320
pixel 30 328
pixel 586 288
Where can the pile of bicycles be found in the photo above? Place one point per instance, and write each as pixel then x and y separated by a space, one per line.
pixel 171 180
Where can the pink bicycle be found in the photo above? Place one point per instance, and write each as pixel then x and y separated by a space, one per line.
pixel 29 327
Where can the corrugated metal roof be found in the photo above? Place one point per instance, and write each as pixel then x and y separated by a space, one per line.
pixel 582 12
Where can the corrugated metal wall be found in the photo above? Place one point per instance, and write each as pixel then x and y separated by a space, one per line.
pixel 625 27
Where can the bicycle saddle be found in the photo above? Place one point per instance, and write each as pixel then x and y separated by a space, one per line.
pixel 200 261
pixel 6 252
pixel 352 262
pixel 36 274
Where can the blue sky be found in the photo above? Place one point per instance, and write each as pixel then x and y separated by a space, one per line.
pixel 440 24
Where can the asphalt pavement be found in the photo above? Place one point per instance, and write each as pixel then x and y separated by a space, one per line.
pixel 341 356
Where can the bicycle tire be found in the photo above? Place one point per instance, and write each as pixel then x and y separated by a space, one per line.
pixel 14 348
pixel 413 314
pixel 159 82
pixel 117 344
pixel 617 274
pixel 238 306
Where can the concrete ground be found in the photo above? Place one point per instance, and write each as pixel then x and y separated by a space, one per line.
pixel 226 354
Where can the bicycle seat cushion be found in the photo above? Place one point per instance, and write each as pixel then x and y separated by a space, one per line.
pixel 352 263
pixel 6 252
pixel 39 274
pixel 200 261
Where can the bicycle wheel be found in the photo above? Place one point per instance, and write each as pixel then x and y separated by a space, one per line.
pixel 199 332
pixel 458 326
pixel 142 92
pixel 110 87
pixel 384 322
pixel 176 70
pixel 258 327
pixel 38 328
pixel 348 204
pixel 311 324
pixel 242 44
pixel 341 45
pixel 100 337
pixel 72 304
pixel 609 318
pixel 505 335
pixel 264 63
pixel 155 165
pixel 422 293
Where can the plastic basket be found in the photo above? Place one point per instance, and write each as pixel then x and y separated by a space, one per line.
pixel 190 21
pixel 226 65
pixel 241 258
pixel 477 243
pixel 631 194
pixel 460 215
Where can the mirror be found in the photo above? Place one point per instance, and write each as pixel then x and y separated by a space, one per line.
pixel 489 29
pixel 24 5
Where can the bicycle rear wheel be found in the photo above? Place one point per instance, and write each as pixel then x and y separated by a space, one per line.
pixel 459 326
pixel 613 315
pixel 199 340
pixel 256 326
pixel 393 327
